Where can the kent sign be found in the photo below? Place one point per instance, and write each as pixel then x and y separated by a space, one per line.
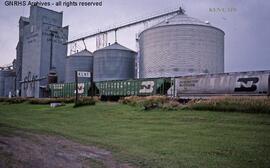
pixel 83 74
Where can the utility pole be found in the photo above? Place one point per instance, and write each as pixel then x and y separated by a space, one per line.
pixel 76 86
pixel 92 85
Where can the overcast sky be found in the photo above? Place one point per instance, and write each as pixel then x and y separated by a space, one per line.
pixel 246 27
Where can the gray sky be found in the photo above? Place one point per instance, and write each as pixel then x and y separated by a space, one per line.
pixel 247 27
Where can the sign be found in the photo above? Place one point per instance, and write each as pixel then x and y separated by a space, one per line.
pixel 147 87
pixel 80 88
pixel 83 74
pixel 246 84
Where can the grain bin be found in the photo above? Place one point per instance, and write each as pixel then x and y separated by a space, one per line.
pixel 181 45
pixel 7 82
pixel 81 61
pixel 114 62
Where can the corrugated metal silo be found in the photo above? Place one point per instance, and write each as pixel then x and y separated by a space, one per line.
pixel 114 62
pixel 7 82
pixel 181 45
pixel 81 61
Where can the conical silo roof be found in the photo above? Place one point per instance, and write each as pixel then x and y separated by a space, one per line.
pixel 182 19
pixel 84 52
pixel 116 46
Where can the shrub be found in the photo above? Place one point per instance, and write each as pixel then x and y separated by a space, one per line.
pixel 85 101
pixel 42 100
pixel 66 100
pixel 172 105
pixel 13 100
pixel 38 101
pixel 221 103
pixel 58 100
pixel 2 99
pixel 231 104
pixel 151 102
pixel 50 100
pixel 96 98
pixel 132 100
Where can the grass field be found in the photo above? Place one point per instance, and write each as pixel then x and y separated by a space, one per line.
pixel 153 138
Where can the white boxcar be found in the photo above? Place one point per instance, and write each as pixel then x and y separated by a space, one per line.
pixel 238 83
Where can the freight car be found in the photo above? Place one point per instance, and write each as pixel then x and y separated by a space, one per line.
pixel 254 83
pixel 114 88
pixel 68 89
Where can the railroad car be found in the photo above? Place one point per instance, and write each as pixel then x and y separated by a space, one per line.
pixel 114 88
pixel 254 83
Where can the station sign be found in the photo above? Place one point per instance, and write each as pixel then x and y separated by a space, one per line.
pixel 83 74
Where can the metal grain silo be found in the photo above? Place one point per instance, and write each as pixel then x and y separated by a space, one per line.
pixel 81 61
pixel 114 62
pixel 2 83
pixel 7 82
pixel 181 45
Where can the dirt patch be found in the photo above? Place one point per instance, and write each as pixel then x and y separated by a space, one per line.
pixel 30 150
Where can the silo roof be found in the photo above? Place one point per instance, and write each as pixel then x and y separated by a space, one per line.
pixel 116 46
pixel 84 52
pixel 181 19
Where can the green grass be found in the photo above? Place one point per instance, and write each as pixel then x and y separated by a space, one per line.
pixel 154 138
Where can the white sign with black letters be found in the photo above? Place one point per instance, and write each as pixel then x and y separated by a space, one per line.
pixel 83 74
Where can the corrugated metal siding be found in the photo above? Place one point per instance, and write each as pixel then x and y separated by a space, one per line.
pixel 2 83
pixel 177 50
pixel 37 46
pixel 78 63
pixel 7 83
pixel 113 64
pixel 10 85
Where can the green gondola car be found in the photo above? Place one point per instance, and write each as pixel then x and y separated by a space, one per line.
pixel 119 88
pixel 68 89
